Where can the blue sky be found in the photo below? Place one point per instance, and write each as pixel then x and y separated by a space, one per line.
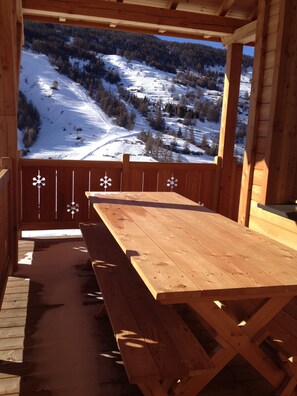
pixel 246 49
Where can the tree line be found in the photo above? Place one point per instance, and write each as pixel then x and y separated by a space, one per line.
pixel 161 54
pixel 28 121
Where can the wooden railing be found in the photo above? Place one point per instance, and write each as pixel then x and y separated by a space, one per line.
pixel 6 226
pixel 53 191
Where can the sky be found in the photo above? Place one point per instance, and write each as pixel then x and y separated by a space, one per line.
pixel 247 50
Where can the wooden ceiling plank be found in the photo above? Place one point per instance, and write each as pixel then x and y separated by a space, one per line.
pixel 253 15
pixel 225 7
pixel 134 13
pixel 173 4
pixel 243 35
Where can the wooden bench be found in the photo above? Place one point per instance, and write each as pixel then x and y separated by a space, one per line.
pixel 157 347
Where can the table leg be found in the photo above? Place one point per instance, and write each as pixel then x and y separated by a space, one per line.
pixel 242 340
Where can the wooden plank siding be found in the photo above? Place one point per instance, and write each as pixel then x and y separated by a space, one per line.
pixel 266 91
pixel 274 226
pixel 53 191
pixel 280 172
pixel 272 137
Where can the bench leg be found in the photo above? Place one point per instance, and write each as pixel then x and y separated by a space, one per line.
pixel 87 266
pixel 101 312
pixel 152 388
pixel 289 388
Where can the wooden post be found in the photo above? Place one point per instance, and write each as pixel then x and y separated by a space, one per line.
pixel 228 126
pixel 6 163
pixel 218 161
pixel 125 172
pixel 11 43
pixel 256 91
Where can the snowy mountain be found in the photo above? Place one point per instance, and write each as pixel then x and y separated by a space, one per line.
pixel 74 126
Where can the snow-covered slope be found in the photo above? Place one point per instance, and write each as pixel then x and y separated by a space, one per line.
pixel 74 127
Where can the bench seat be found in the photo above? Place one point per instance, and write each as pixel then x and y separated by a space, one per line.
pixel 157 347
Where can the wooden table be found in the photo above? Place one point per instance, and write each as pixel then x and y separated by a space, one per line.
pixel 186 253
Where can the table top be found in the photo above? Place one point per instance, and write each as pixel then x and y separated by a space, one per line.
pixel 186 253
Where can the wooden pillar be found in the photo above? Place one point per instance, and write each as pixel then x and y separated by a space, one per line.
pixel 253 120
pixel 228 127
pixel 10 54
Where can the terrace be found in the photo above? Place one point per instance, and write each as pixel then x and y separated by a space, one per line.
pixel 42 195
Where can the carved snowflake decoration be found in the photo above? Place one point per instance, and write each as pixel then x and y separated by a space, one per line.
pixel 172 182
pixel 38 181
pixel 105 182
pixel 73 208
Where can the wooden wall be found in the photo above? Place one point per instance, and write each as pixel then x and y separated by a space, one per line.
pixel 270 166
pixel 274 226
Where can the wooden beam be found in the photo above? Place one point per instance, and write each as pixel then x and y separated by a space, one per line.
pixel 122 28
pixel 253 15
pixel 103 11
pixel 243 35
pixel 225 7
pixel 228 128
pixel 253 119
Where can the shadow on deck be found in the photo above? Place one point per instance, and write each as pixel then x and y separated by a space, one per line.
pixel 50 342
pixel 54 346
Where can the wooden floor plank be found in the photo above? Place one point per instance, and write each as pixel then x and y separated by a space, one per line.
pixel 12 332
pixel 10 385
pixel 11 342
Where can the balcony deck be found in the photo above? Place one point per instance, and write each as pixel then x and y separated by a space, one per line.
pixel 51 344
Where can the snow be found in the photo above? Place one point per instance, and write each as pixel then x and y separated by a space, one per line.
pixel 143 80
pixel 74 127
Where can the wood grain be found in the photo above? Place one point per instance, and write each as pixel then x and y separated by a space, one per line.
pixel 202 254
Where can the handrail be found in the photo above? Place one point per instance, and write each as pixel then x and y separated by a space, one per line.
pixel 53 191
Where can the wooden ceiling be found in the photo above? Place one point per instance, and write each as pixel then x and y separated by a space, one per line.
pixel 215 20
